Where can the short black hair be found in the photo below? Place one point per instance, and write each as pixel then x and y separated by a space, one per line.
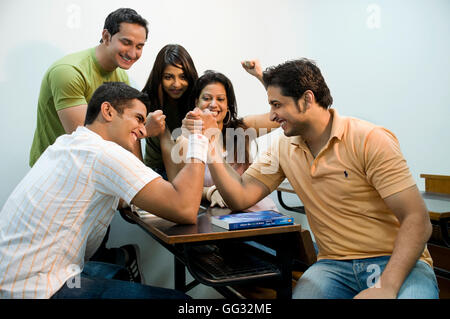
pixel 115 18
pixel 295 77
pixel 118 94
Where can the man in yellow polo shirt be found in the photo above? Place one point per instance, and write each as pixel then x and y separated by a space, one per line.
pixel 362 204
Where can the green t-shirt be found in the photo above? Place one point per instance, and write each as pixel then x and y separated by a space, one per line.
pixel 68 82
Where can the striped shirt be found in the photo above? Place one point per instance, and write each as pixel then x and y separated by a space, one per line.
pixel 57 216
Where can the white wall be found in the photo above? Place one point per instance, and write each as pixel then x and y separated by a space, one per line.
pixel 384 61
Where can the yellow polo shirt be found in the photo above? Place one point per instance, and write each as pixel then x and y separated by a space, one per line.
pixel 343 187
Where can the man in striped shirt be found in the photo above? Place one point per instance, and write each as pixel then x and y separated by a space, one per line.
pixel 68 86
pixel 56 217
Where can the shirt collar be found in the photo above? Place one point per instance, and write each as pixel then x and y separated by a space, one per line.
pixel 337 130
pixel 102 71
pixel 85 130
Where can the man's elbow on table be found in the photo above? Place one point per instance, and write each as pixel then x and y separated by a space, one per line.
pixel 241 196
pixel 162 199
pixel 186 203
pixel 187 215
pixel 176 211
pixel 237 206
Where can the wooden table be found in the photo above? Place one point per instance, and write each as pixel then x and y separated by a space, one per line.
pixel 179 239
pixel 438 205
pixel 437 187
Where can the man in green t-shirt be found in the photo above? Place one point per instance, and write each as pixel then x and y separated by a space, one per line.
pixel 69 83
pixel 67 88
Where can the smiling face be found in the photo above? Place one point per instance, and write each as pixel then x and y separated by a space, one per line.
pixel 214 97
pixel 174 81
pixel 290 114
pixel 129 126
pixel 125 47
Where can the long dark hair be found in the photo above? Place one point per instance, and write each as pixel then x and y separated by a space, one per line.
pixel 176 55
pixel 231 120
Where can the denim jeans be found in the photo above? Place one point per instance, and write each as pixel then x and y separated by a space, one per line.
pixel 344 279
pixel 95 282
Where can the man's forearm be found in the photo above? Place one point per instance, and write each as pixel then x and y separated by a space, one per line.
pixel 189 186
pixel 229 184
pixel 409 245
pixel 177 201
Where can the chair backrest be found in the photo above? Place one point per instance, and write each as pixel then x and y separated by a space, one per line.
pixel 437 183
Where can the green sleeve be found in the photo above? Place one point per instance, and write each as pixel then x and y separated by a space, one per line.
pixel 68 87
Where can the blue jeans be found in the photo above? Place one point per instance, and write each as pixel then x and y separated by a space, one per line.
pixel 95 282
pixel 344 279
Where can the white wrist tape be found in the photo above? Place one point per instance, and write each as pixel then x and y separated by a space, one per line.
pixel 197 147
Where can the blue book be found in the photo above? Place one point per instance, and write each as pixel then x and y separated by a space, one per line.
pixel 265 218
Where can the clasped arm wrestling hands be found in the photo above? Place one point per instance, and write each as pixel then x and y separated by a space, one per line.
pixel 202 122
pixel 199 122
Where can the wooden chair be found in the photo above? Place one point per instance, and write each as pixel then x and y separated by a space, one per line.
pixel 437 245
pixel 437 183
